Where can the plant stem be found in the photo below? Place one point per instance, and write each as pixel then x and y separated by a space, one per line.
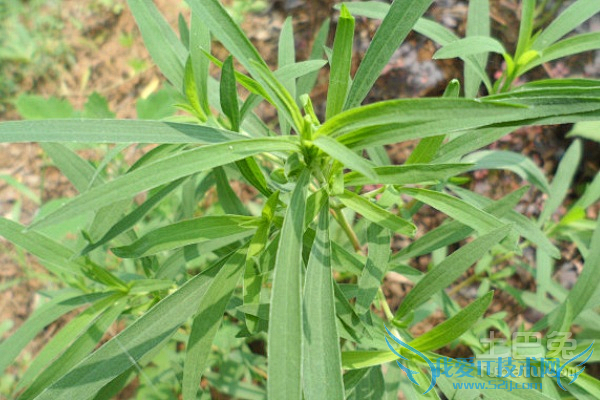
pixel 384 305
pixel 341 220
pixel 463 284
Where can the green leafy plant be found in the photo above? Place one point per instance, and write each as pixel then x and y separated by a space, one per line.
pixel 200 288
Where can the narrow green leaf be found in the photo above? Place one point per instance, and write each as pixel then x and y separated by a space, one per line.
pixel 77 170
pixel 160 40
pixel 568 20
pixel 407 174
pixel 307 82
pixel 427 148
pixel 191 91
pixel 183 233
pixel 377 214
pixel 453 328
pixel 54 255
pixel 285 329
pixel 378 241
pixel 126 349
pixel 73 330
pixel 472 45
pixel 363 359
pixel 347 157
pixel 222 25
pixel 562 180
pixel 469 141
pixel 184 31
pixel 523 225
pixel 199 41
pixel 478 24
pixel 430 29
pixel 394 28
pixel 43 316
pixel 283 100
pixel 111 131
pixel 76 351
pixel 129 220
pixel 586 130
pixel 207 321
pixel 341 62
pixel 396 120
pixel 443 274
pixel 165 171
pixel 453 231
pixel 254 274
pixel 461 211
pixel 321 361
pixel 229 95
pixel 348 317
pixel 228 200
pixel 370 387
pixel 286 56
pixel 525 28
pixel 587 283
pixel 517 163
pixel 564 48
pixel 250 170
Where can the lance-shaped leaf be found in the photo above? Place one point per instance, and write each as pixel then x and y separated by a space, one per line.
pixel 346 156
pixel 61 340
pixel 160 40
pixel 207 321
pixel 407 174
pixel 42 317
pixel 285 328
pixel 165 171
pixel 200 42
pixel 322 361
pixel 472 45
pixel 443 274
pixel 76 351
pixel 568 20
pixel 453 231
pixel 369 281
pixel 188 232
pixel 396 25
pixel 397 120
pixel 478 24
pixel 129 220
pixel 517 163
pixel 341 61
pixel 457 209
pixel 427 148
pixel 453 328
pixel 562 181
pixel 286 55
pixel 146 334
pixel 224 28
pixel 112 131
pixel 307 82
pixel 376 214
pixel 564 48
pixel 229 95
pixel 54 255
pixel 523 225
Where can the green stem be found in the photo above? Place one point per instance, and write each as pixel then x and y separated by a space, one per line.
pixel 341 220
